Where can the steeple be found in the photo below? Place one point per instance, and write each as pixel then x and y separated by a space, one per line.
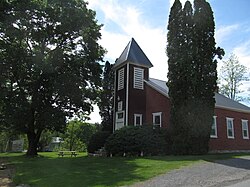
pixel 133 54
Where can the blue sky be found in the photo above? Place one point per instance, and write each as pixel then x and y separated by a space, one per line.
pixel 146 21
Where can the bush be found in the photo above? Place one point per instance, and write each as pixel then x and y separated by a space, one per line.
pixel 134 140
pixel 97 141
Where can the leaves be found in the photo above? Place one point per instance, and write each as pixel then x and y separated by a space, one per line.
pixel 192 73
pixel 106 98
pixel 49 68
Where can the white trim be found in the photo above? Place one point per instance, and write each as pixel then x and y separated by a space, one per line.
pixel 216 105
pixel 232 109
pixel 156 89
pixel 138 77
pixel 215 124
pixel 126 123
pixel 232 122
pixel 157 114
pixel 119 106
pixel 135 116
pixel 246 122
pixel 117 120
pixel 114 104
pixel 120 85
pixel 132 63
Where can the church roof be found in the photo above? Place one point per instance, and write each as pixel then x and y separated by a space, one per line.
pixel 220 100
pixel 133 54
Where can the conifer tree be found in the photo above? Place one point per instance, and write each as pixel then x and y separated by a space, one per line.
pixel 192 75
pixel 106 98
pixel 174 59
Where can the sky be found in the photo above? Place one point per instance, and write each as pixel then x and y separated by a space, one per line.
pixel 146 21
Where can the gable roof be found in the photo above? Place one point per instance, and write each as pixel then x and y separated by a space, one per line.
pixel 220 100
pixel 134 54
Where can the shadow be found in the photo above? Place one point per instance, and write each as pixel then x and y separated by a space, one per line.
pixel 236 160
pixel 52 171
pixel 79 171
pixel 241 163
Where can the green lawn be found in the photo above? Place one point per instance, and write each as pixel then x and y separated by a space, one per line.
pixel 48 170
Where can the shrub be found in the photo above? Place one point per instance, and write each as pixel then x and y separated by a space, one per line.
pixel 97 141
pixel 134 140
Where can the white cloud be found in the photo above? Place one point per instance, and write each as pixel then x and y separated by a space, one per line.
pixel 130 21
pixel 243 53
pixel 223 32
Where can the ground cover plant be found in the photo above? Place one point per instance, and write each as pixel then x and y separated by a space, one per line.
pixel 48 170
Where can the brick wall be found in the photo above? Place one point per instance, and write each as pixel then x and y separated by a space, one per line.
pixel 223 142
pixel 156 102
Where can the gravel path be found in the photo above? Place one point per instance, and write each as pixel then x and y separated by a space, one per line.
pixel 205 174
pixel 5 175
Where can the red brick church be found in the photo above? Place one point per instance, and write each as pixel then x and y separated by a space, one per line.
pixel 141 100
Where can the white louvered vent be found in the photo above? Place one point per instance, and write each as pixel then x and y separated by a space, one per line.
pixel 121 79
pixel 138 78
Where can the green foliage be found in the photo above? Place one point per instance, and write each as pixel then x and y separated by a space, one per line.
pixel 45 140
pixel 5 140
pixel 106 98
pixel 135 140
pixel 232 75
pixel 77 135
pixel 49 68
pixel 192 75
pixel 97 141
pixel 192 135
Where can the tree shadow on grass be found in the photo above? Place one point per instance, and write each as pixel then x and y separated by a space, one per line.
pixel 79 171
pixel 49 171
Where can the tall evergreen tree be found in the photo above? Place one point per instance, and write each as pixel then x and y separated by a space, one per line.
pixel 106 98
pixel 192 75
pixel 204 76
pixel 173 52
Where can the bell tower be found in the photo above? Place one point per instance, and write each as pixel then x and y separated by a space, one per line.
pixel 131 69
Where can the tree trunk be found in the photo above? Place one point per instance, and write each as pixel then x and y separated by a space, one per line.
pixel 33 139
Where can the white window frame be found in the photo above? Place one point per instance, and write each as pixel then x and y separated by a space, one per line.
pixel 215 128
pixel 120 85
pixel 244 122
pixel 138 78
pixel 232 122
pixel 119 107
pixel 157 114
pixel 119 122
pixel 135 116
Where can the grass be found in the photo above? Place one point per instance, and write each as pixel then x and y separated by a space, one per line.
pixel 48 170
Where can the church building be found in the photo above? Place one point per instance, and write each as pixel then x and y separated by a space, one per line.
pixel 141 100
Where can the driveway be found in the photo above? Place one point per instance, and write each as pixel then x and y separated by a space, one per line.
pixel 232 172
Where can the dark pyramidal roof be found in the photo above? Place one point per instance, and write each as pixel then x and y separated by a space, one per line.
pixel 134 54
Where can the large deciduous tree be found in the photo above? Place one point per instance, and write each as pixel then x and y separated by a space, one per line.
pixel 106 98
pixel 192 75
pixel 231 77
pixel 48 64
